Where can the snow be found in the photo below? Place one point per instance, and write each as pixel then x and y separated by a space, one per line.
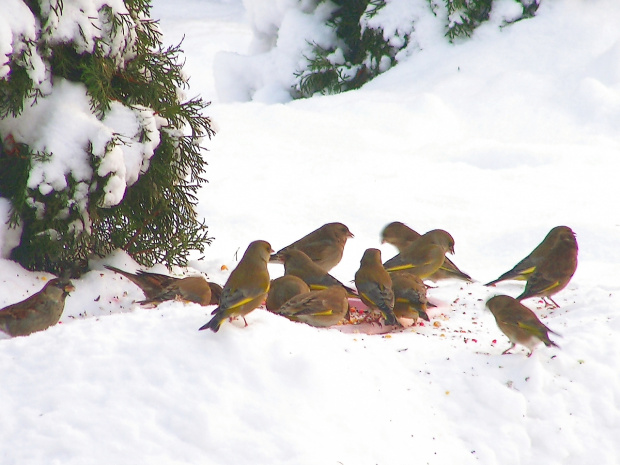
pixel 496 139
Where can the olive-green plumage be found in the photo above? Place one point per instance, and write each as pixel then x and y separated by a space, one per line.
pixel 554 271
pixel 326 307
pixel 284 288
pixel 402 236
pixel 524 269
pixel 424 256
pixel 191 289
pixel 409 296
pixel 297 263
pixel 519 323
pixel 160 287
pixel 374 285
pixel 324 246
pixel 246 287
pixel 38 312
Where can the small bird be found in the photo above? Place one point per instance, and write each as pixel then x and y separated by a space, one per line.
pixel 424 256
pixel 409 296
pixel 555 270
pixel 297 263
pixel 191 289
pixel 324 246
pixel 522 270
pixel 160 287
pixel 246 287
pixel 401 236
pixel 284 288
pixel 519 323
pixel 216 293
pixel 39 311
pixel 322 308
pixel 374 285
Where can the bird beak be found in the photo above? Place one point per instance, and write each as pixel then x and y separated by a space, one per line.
pixel 276 258
pixel 350 234
pixel 69 288
pixel 452 250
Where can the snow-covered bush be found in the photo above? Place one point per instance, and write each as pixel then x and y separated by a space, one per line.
pixel 303 47
pixel 94 153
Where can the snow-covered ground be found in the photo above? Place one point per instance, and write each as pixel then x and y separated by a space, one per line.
pixel 496 139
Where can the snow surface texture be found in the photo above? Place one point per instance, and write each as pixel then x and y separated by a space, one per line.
pixel 496 139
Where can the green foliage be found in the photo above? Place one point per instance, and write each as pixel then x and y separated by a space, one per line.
pixel 364 48
pixel 466 15
pixel 360 54
pixel 156 220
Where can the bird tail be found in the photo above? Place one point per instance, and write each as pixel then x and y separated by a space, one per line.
pixel 548 342
pixel 423 315
pixel 491 283
pixel 117 270
pixel 214 323
pixel 388 315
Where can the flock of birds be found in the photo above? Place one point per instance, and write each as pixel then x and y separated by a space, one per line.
pixel 393 290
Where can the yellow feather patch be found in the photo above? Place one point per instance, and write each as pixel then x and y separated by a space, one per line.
pixel 366 297
pixel 399 268
pixel 324 313
pixel 241 302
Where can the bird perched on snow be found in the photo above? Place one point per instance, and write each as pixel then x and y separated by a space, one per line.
pixel 191 289
pixel 39 311
pixel 246 287
pixel 410 300
pixel 402 236
pixel 160 287
pixel 324 246
pixel 519 323
pixel 424 256
pixel 554 271
pixel 284 288
pixel 522 270
pixel 374 285
pixel 399 235
pixel 326 307
pixel 297 263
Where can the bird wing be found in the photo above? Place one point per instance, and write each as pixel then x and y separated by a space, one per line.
pixel 539 284
pixel 400 262
pixel 313 305
pixel 232 298
pixel 377 294
pixel 18 311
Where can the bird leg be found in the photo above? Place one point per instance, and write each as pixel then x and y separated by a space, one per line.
pixel 555 304
pixel 509 348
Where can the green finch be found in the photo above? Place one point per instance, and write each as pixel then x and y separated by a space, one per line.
pixel 554 271
pixel 519 323
pixel 324 246
pixel 522 270
pixel 283 289
pixel 160 287
pixel 297 263
pixel 326 307
pixel 191 289
pixel 409 296
pixel 246 287
pixel 374 285
pixel 39 311
pixel 424 256
pixel 401 236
